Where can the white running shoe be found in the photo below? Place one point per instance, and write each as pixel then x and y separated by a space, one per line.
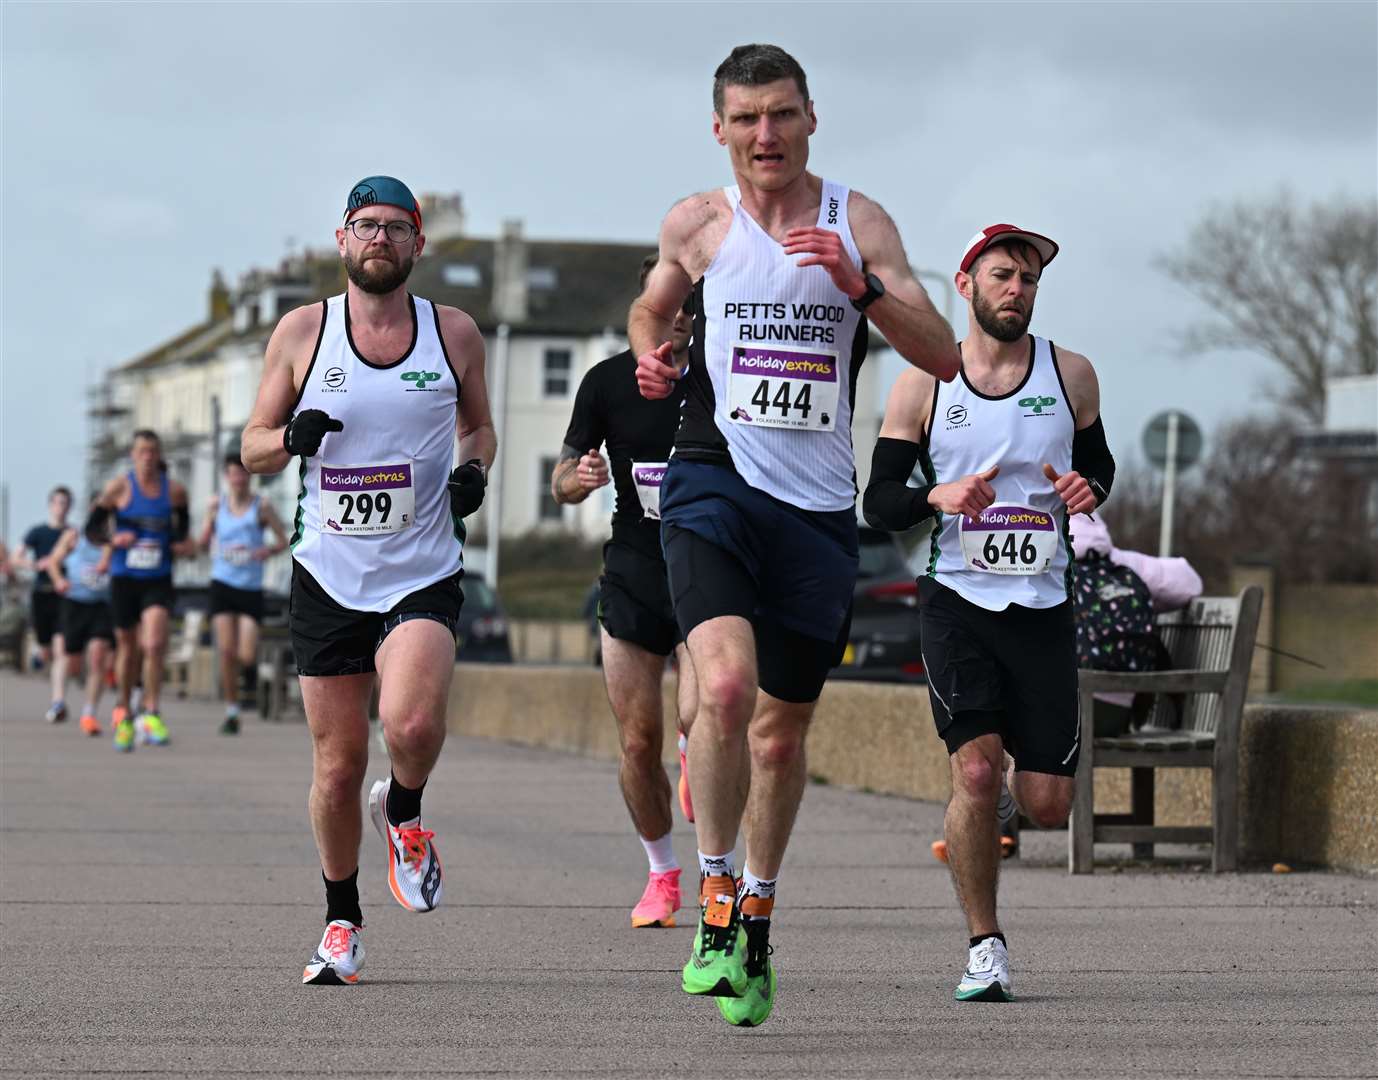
pixel 339 957
pixel 413 862
pixel 1006 808
pixel 987 977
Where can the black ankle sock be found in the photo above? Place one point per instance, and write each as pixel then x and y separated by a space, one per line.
pixel 342 899
pixel 404 804
pixel 997 935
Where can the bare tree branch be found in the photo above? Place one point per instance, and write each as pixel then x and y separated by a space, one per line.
pixel 1299 286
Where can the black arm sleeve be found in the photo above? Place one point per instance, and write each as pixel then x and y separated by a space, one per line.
pixel 181 523
pixel 98 525
pixel 1091 457
pixel 889 502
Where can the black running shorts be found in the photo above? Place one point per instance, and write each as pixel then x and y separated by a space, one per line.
pixel 634 598
pixel 130 597
pixel 227 600
pixel 328 639
pixel 82 623
pixel 1011 673
pixel 45 611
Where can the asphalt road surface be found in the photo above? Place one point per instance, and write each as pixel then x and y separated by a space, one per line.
pixel 156 910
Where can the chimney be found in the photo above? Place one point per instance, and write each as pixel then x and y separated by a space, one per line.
pixel 220 307
pixel 442 216
pixel 509 274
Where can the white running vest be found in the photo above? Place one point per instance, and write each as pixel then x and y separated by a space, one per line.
pixel 1017 552
pixel 373 521
pixel 778 347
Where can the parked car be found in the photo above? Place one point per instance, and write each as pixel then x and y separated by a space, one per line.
pixel 883 645
pixel 482 633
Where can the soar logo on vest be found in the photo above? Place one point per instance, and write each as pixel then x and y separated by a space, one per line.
pixel 1037 405
pixel 419 379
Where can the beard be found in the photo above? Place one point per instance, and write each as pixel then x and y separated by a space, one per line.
pixel 1001 325
pixel 380 276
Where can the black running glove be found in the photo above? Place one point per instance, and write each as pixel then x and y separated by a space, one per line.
pixel 467 485
pixel 305 431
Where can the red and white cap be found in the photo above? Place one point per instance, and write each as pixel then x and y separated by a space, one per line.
pixel 1047 249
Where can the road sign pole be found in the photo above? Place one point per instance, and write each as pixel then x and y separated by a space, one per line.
pixel 1169 488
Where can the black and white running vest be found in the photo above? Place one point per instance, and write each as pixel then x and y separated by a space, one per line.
pixel 373 521
pixel 1017 551
pixel 773 365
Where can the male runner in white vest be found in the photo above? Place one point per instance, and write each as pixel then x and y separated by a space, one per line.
pixel 758 503
pixel 369 389
pixel 1009 451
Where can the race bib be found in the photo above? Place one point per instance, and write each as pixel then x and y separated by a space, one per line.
pixel 367 500
pixel 144 555
pixel 237 555
pixel 647 476
pixel 783 388
pixel 1009 540
pixel 93 579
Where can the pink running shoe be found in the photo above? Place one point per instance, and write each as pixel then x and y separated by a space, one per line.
pixel 659 902
pixel 685 802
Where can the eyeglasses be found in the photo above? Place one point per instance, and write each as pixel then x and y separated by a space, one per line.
pixel 399 232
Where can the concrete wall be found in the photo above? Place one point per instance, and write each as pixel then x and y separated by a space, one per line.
pixel 1309 777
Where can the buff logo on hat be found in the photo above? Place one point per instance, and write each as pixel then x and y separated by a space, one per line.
pixel 384 191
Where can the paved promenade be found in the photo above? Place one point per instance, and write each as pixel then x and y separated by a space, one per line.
pixel 156 910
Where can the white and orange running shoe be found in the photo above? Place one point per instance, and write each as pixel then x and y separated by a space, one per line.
pixel 659 902
pixel 339 957
pixel 413 862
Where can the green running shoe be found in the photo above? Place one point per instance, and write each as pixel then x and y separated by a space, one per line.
pixel 123 741
pixel 753 1007
pixel 152 730
pixel 716 965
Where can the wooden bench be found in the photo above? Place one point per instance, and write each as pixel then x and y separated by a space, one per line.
pixel 275 668
pixel 182 651
pixel 1211 643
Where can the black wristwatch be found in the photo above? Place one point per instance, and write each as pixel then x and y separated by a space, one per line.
pixel 875 289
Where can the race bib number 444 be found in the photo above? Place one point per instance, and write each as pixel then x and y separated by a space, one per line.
pixel 367 500
pixel 1009 540
pixel 783 388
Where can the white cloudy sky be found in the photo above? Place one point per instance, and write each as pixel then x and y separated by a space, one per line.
pixel 145 144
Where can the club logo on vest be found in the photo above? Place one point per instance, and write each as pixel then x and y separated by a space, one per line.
pixel 1037 404
pixel 334 381
pixel 421 378
pixel 957 417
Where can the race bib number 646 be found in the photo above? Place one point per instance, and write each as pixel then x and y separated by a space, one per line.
pixel 1009 540
pixel 367 500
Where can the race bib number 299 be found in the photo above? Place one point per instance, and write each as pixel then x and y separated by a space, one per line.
pixel 367 500
pixel 783 388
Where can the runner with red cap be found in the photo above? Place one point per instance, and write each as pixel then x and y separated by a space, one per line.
pixel 1009 450
pixel 370 390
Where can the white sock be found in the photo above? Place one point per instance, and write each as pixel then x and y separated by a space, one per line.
pixel 716 865
pixel 758 886
pixel 88 709
pixel 661 854
pixel 232 712
pixel 683 742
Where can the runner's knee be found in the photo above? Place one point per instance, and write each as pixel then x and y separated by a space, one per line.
pixel 976 778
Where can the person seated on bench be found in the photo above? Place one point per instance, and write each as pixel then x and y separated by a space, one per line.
pixel 1117 594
